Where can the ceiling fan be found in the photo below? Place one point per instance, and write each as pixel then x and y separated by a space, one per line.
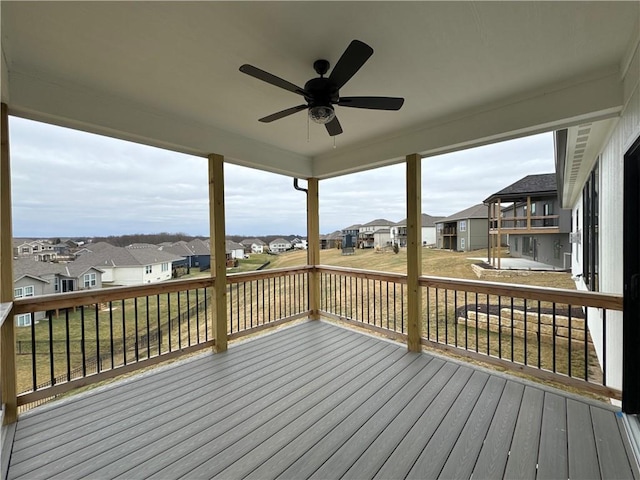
pixel 322 93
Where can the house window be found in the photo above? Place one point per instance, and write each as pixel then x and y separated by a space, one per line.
pixel 56 284
pixel 22 292
pixel 590 222
pixel 516 243
pixel 462 226
pixel 462 244
pixel 165 267
pixel 147 269
pixel 25 250
pixel 89 280
pixel 533 209
pixel 23 320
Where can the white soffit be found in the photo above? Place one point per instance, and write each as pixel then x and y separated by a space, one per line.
pixel 166 73
pixel 584 144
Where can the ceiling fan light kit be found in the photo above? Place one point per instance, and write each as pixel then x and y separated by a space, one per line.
pixel 323 92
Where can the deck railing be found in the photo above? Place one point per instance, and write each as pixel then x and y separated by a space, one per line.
pixel 93 335
pixel 542 332
pixel 97 334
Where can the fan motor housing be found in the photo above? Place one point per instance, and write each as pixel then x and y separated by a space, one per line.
pixel 322 91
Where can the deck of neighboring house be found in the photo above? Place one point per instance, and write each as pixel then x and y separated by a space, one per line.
pixel 318 400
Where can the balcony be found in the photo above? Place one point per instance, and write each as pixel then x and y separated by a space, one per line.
pixel 525 225
pixel 318 398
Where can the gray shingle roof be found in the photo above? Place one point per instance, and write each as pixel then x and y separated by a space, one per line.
pixel 108 255
pixel 250 241
pixel 23 267
pixel 199 247
pixel 477 211
pixel 379 222
pixel 541 185
pixel 178 248
pixel 427 221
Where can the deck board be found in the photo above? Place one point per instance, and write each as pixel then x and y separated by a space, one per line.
pixel 319 401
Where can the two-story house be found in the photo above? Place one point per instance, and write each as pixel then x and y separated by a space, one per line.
pixel 279 245
pixel 375 233
pixel 528 211
pixel 464 230
pixel 399 231
pixel 32 278
pixel 253 245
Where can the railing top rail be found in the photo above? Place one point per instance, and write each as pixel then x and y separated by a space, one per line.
pixel 543 294
pixel 368 274
pixel 101 295
pixel 274 272
pixel 5 310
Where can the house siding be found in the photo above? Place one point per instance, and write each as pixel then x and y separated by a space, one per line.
pixel 611 179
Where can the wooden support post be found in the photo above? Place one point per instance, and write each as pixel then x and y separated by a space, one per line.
pixel 414 252
pixel 218 251
pixel 499 239
pixel 7 332
pixel 528 214
pixel 313 247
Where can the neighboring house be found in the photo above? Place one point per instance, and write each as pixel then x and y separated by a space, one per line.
pixel 279 245
pixel 201 253
pixel 253 245
pixel 128 266
pixel 299 243
pixel 366 237
pixel 33 278
pixel 528 211
pixel 234 251
pixel 331 240
pixel 428 234
pixel 185 257
pixel 350 238
pixel 41 250
pixel 465 230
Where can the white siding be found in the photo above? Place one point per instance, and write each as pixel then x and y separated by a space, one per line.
pixel 611 223
pixel 428 235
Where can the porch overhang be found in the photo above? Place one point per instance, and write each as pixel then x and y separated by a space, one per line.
pixel 168 75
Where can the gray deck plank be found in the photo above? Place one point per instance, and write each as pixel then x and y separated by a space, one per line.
pixel 492 459
pixel 351 437
pixel 134 445
pixel 356 401
pixel 523 453
pixel 143 429
pixel 467 447
pixel 612 455
pixel 371 460
pixel 38 425
pixel 402 458
pixel 206 460
pixel 319 400
pixel 553 459
pixel 161 403
pixel 430 462
pixel 583 457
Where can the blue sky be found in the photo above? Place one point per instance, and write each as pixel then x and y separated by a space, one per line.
pixel 70 183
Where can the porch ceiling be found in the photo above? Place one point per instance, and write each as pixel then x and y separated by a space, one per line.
pixel 166 74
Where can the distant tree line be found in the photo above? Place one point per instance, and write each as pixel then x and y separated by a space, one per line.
pixel 154 238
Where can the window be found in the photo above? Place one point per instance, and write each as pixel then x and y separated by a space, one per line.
pixel 22 292
pixel 89 280
pixel 533 209
pixel 590 222
pixel 23 320
pixel 148 269
pixel 56 284
pixel 462 226
pixel 165 267
pixel 25 250
pixel 516 243
pixel 462 244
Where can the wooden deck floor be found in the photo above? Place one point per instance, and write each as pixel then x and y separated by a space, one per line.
pixel 319 401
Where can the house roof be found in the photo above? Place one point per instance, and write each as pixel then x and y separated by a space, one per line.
pixel 110 256
pixel 355 226
pixel 179 248
pixel 477 211
pixel 28 267
pixel 251 241
pixel 382 222
pixel 427 221
pixel 199 247
pixel 231 245
pixel 279 240
pixel 542 185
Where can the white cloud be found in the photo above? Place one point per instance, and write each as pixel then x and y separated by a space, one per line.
pixel 68 183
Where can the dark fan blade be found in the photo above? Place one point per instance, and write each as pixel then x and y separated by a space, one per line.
pixel 374 103
pixel 356 54
pixel 283 113
pixel 333 127
pixel 272 79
